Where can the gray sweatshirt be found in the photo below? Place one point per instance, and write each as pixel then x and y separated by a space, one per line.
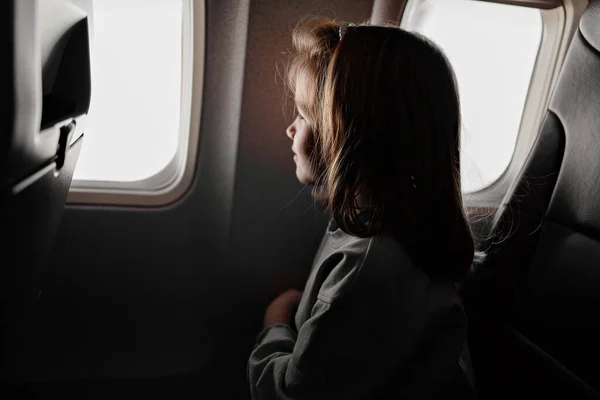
pixel 370 325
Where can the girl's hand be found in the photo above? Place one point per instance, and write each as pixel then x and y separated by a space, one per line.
pixel 280 310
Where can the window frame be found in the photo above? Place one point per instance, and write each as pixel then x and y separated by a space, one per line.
pixel 173 181
pixel 559 24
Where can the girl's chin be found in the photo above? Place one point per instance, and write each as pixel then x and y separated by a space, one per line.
pixel 303 177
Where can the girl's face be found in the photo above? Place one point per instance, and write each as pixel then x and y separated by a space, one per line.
pixel 300 131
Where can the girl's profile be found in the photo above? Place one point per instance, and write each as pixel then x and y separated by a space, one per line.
pixel 376 133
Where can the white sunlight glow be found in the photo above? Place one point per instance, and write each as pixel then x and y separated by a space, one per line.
pixel 132 132
pixel 493 48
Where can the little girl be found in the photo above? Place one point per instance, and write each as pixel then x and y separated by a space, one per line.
pixel 377 134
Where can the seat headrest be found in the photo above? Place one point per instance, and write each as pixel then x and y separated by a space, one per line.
pixel 576 103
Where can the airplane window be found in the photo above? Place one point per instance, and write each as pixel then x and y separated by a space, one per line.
pixel 133 126
pixel 493 49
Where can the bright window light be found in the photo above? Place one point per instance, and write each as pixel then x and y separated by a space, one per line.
pixel 132 131
pixel 493 48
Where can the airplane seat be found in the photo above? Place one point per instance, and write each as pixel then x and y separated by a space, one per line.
pixel 46 91
pixel 533 306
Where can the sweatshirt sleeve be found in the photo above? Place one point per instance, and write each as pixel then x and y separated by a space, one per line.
pixel 333 356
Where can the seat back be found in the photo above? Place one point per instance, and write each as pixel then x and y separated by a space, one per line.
pixel 533 307
pixel 47 101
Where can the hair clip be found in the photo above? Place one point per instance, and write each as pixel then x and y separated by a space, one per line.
pixel 343 29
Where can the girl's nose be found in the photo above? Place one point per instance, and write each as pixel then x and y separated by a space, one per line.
pixel 291 131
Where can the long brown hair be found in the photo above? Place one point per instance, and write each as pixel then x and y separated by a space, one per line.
pixel 388 145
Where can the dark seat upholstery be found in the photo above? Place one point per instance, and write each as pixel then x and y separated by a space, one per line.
pixel 534 306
